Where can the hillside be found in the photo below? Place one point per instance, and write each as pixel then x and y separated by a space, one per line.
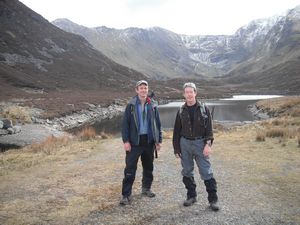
pixel 36 55
pixel 256 56
pixel 156 52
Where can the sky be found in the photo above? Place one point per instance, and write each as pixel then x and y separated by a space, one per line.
pixel 190 17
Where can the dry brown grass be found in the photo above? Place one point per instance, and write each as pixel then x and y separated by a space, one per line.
pixel 167 134
pixel 104 135
pixel 277 122
pixel 276 132
pixel 264 163
pixel 16 114
pixel 61 187
pixel 50 145
pixel 87 133
pixel 260 136
pixel 285 105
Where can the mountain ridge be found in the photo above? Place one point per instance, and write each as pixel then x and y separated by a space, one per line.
pixel 181 55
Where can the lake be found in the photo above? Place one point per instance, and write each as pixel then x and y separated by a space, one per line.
pixel 230 109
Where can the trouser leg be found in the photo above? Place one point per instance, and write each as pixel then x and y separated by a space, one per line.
pixel 147 158
pixel 130 170
pixel 187 162
pixel 206 172
pixel 190 185
pixel 211 188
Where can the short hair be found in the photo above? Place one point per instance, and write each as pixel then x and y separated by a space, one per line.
pixel 190 84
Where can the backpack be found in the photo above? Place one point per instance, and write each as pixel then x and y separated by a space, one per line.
pixel 203 111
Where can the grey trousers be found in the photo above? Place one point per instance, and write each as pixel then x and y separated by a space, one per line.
pixel 193 150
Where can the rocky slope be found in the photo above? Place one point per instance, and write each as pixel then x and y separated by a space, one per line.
pixel 163 54
pixel 36 54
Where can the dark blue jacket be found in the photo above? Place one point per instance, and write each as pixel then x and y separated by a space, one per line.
pixel 130 126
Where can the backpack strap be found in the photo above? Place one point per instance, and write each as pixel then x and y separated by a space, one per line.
pixel 204 113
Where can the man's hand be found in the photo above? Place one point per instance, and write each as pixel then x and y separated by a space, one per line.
pixel 127 146
pixel 157 146
pixel 206 150
pixel 178 155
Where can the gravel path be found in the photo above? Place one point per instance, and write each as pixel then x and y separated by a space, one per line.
pixel 82 185
pixel 240 201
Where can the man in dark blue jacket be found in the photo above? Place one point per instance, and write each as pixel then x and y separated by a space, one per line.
pixel 141 134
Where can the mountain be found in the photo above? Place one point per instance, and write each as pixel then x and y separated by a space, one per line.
pixel 275 63
pixel 160 53
pixel 36 54
pixel 156 52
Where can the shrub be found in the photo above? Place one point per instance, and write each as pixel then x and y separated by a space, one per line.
pixel 260 136
pixel 17 114
pixel 276 132
pixel 87 133
pixel 104 135
pixel 50 144
pixel 167 134
pixel 295 112
pixel 276 122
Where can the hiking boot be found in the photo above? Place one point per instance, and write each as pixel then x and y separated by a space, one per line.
pixel 125 201
pixel 214 206
pixel 148 193
pixel 189 201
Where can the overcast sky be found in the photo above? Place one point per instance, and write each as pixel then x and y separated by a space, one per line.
pixel 192 17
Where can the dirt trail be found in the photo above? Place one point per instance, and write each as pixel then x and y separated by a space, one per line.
pixel 82 184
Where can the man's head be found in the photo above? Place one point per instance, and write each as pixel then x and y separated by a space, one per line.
pixel 190 92
pixel 141 89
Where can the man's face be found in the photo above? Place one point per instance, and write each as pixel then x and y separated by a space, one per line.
pixel 189 94
pixel 142 91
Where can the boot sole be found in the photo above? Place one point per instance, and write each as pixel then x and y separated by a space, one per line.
pixel 189 204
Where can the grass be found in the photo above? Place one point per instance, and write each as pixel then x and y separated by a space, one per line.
pixel 17 114
pixel 51 144
pixel 260 136
pixel 167 135
pixel 87 133
pixel 277 106
pixel 269 163
pixel 68 182
pixel 276 132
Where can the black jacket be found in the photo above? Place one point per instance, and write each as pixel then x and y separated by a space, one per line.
pixel 183 126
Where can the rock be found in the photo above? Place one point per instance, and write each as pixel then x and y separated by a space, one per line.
pixel 3 132
pixel 6 123
pixel 10 130
pixel 17 129
pixel 1 124
pixel 28 134
pixel 119 101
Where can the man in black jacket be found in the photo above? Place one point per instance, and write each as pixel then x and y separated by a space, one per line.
pixel 192 140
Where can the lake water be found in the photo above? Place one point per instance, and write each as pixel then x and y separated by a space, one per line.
pixel 230 109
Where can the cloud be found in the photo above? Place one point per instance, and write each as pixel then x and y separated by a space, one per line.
pixel 180 16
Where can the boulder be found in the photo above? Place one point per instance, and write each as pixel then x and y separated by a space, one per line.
pixel 10 130
pixel 6 124
pixel 3 132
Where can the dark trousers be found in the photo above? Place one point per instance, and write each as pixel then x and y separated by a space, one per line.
pixel 146 151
